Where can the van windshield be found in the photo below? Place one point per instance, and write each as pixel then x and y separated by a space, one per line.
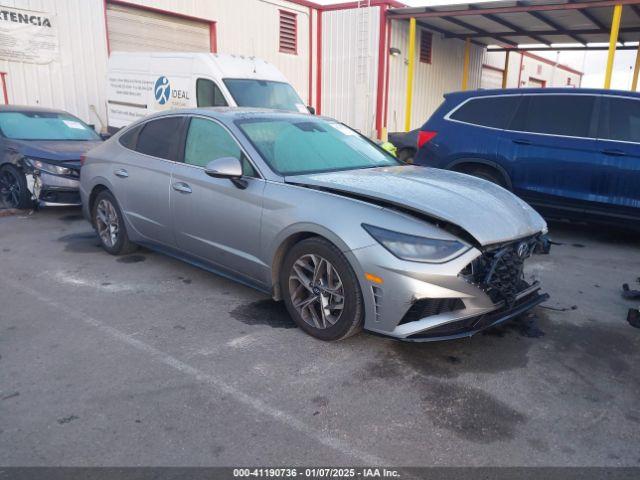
pixel 264 94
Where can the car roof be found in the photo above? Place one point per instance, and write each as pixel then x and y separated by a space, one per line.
pixel 29 108
pixel 522 91
pixel 239 113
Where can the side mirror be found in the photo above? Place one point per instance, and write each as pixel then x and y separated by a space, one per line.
pixel 224 167
pixel 105 136
pixel 312 110
pixel 227 167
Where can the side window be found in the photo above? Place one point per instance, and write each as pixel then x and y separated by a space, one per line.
pixel 568 115
pixel 128 138
pixel 207 141
pixel 624 120
pixel 208 94
pixel 495 112
pixel 159 138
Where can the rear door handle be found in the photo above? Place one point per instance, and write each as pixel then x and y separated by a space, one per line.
pixel 614 152
pixel 521 141
pixel 181 187
pixel 121 172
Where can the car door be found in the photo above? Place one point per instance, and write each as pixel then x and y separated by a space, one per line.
pixel 145 178
pixel 214 218
pixel 619 145
pixel 551 146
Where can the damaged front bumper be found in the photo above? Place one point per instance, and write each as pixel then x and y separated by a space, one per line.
pixel 54 190
pixel 427 302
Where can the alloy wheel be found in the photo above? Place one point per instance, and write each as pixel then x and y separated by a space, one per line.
pixel 316 291
pixel 107 223
pixel 10 190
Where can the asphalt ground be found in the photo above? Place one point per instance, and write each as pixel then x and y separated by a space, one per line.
pixel 145 360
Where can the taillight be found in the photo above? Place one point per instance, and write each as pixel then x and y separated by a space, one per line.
pixel 83 158
pixel 424 137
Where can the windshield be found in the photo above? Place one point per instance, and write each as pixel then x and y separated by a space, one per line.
pixel 44 126
pixel 294 146
pixel 265 94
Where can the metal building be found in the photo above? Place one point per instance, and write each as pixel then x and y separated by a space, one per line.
pixel 527 69
pixel 373 64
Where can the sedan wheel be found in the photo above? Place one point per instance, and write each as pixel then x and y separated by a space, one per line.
pixel 316 291
pixel 14 192
pixel 321 291
pixel 107 223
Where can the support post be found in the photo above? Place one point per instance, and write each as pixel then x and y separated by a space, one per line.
pixel 412 60
pixel 613 42
pixel 465 67
pixel 636 70
pixel 505 72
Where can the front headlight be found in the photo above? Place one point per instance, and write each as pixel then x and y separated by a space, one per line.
pixel 48 167
pixel 417 249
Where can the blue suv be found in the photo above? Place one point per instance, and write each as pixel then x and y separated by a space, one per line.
pixel 571 153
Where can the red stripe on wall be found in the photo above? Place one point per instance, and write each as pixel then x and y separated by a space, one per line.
pixel 319 65
pixel 382 65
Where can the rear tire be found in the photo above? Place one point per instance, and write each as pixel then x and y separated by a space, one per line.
pixel 14 191
pixel 406 155
pixel 321 291
pixel 485 173
pixel 109 224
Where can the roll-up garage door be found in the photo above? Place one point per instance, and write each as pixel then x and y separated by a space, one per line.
pixel 491 78
pixel 133 29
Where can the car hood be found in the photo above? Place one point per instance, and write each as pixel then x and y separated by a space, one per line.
pixel 56 151
pixel 486 211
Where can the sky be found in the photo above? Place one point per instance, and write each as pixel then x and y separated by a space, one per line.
pixel 592 64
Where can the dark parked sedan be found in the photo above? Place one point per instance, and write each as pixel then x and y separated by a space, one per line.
pixel 570 153
pixel 40 152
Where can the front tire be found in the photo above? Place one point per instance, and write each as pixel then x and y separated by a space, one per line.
pixel 321 291
pixel 14 191
pixel 110 226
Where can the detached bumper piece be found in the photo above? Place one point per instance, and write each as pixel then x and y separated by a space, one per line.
pixel 470 326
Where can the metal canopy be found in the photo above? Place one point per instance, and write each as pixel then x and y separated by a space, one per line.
pixel 531 25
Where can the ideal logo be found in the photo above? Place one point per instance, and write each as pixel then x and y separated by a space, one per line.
pixel 162 90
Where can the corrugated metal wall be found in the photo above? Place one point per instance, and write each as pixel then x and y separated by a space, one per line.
pixel 76 82
pixel 350 66
pixel 431 81
pixel 250 27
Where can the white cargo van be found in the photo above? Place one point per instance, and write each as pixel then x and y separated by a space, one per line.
pixel 141 83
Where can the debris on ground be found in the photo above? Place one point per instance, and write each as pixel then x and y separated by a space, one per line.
pixel 560 309
pixel 633 317
pixel 628 293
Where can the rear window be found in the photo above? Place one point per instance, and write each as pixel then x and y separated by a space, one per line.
pixel 567 115
pixel 623 120
pixel 495 112
pixel 159 138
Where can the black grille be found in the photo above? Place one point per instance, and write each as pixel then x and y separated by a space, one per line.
pixel 500 272
pixel 431 306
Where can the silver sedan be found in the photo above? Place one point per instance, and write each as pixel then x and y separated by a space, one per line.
pixel 318 216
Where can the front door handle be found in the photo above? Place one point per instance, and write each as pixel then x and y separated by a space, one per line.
pixel 614 152
pixel 121 172
pixel 521 141
pixel 181 187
